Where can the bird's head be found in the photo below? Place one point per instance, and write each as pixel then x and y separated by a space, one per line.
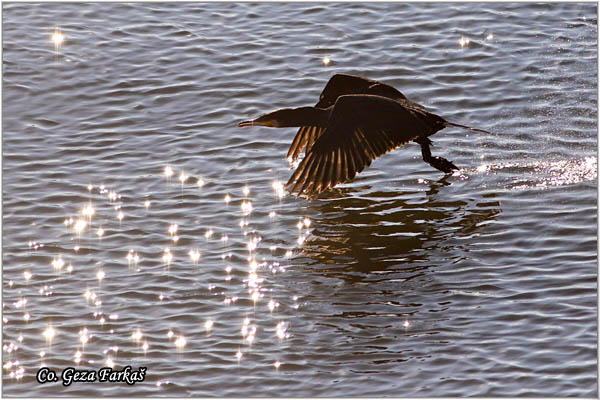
pixel 285 117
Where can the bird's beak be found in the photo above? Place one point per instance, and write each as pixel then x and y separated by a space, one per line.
pixel 245 123
pixel 256 122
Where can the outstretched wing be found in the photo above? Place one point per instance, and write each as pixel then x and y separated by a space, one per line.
pixel 342 84
pixel 339 85
pixel 362 128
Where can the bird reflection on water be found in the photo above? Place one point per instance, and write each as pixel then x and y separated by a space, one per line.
pixel 383 233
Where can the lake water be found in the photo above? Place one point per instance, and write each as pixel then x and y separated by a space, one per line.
pixel 403 282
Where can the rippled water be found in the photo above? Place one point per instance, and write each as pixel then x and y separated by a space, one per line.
pixel 401 283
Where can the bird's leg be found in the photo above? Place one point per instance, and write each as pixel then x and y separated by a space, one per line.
pixel 436 162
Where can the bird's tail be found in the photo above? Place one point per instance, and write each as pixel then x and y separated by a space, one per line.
pixel 467 127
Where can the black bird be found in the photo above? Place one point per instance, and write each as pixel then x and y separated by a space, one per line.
pixel 355 121
pixel 339 85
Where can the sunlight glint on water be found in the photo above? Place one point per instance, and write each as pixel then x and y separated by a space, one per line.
pixel 116 132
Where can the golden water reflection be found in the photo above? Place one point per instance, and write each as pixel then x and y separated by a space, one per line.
pixel 387 231
pixel 58 39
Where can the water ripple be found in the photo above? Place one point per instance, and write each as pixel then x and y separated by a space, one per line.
pixel 402 282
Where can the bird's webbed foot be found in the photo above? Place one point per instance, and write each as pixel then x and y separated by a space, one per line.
pixel 436 162
pixel 442 164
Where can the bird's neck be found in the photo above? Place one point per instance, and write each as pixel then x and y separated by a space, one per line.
pixel 309 116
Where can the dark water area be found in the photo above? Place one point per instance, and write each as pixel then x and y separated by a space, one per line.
pixel 403 282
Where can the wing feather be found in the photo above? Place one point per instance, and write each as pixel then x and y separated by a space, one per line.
pixel 361 129
pixel 313 135
pixel 343 173
pixel 298 143
pixel 328 171
pixel 334 169
pixel 324 172
pixel 369 150
pixel 301 172
pixel 306 178
pixel 351 161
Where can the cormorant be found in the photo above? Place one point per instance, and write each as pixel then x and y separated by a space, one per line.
pixel 355 121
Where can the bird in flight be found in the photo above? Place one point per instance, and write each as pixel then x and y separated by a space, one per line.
pixel 355 121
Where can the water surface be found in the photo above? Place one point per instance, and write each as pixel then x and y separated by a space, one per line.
pixel 404 282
